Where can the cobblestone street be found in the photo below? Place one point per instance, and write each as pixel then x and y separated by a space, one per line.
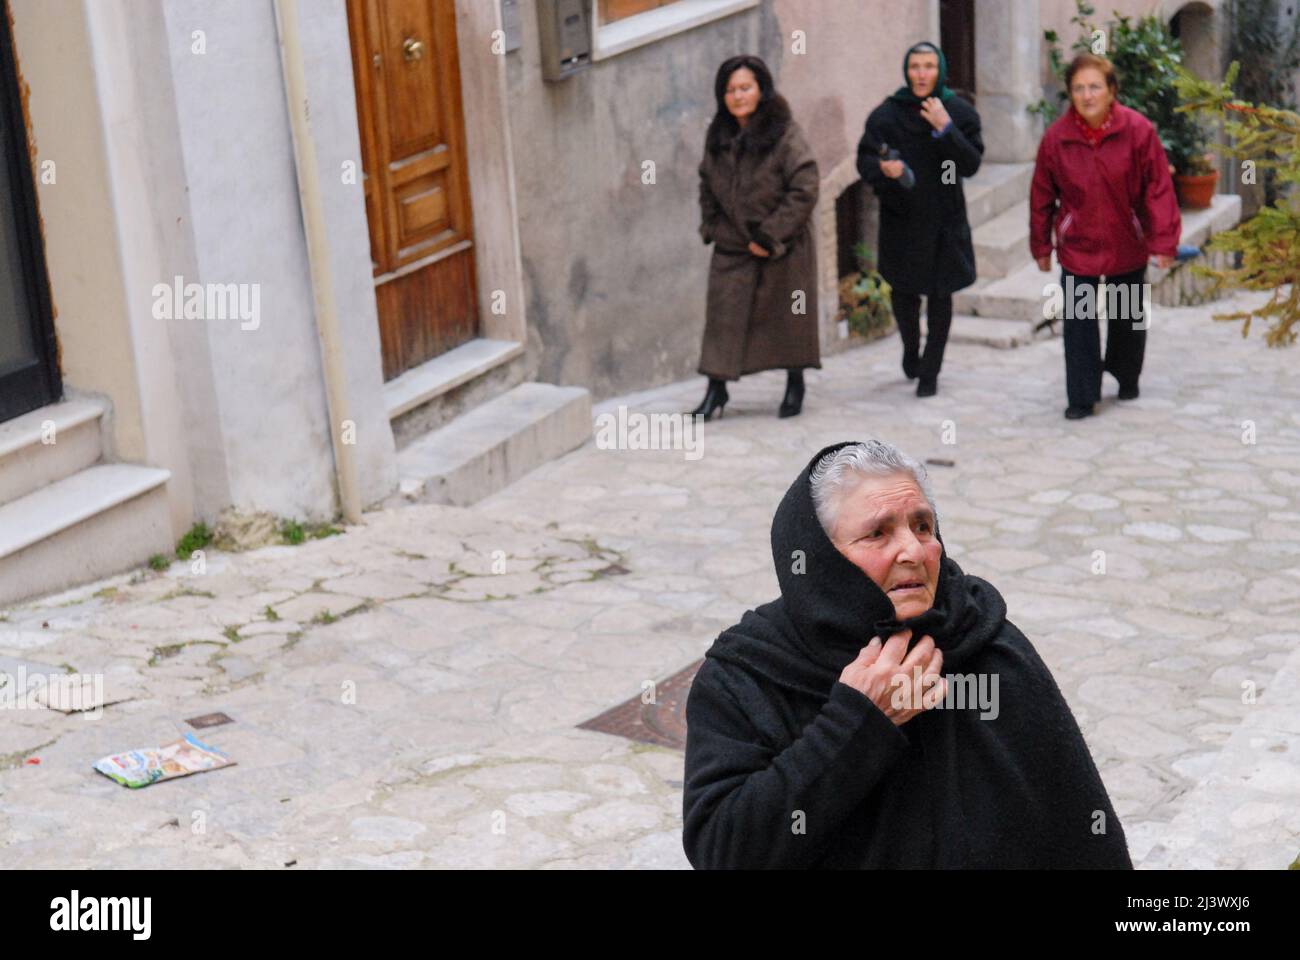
pixel 408 693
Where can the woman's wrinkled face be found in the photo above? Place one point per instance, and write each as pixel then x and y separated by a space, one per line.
pixel 885 527
pixel 923 73
pixel 743 93
pixel 1090 94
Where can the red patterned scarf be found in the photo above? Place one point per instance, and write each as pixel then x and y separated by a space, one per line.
pixel 1093 134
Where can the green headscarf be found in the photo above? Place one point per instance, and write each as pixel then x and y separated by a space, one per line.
pixel 905 94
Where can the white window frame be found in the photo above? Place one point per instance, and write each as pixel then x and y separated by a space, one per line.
pixel 611 39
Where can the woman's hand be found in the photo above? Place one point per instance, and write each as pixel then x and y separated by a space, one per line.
pixel 1164 261
pixel 879 671
pixel 1045 263
pixel 757 251
pixel 935 112
pixel 893 169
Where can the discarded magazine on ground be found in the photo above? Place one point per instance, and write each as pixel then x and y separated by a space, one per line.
pixel 180 758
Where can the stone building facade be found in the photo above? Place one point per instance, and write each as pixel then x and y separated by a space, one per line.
pixel 305 257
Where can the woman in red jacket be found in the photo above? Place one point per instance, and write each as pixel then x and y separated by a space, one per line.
pixel 1102 181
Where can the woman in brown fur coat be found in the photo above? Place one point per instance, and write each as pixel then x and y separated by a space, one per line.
pixel 758 187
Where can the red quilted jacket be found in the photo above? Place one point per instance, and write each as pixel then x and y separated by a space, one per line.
pixel 1116 200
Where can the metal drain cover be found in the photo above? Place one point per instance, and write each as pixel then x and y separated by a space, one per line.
pixel 662 723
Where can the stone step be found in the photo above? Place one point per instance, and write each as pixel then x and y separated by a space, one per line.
pixel 48 444
pixel 1019 295
pixel 995 188
pixel 99 521
pixel 1002 244
pixel 493 445
pixel 992 333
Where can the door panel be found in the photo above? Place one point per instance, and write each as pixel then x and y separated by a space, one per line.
pixel 957 38
pixel 407 71
pixel 29 376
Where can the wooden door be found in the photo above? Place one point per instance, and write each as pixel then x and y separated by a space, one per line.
pixel 407 72
pixel 957 38
pixel 29 372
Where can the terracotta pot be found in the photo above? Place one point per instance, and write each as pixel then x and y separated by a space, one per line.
pixel 1195 191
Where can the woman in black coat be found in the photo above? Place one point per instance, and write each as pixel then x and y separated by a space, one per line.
pixel 925 243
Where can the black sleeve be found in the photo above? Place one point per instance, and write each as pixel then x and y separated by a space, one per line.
pixel 869 155
pixel 746 806
pixel 962 143
pixel 893 196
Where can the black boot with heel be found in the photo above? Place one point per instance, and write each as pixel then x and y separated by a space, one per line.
pixel 793 402
pixel 715 399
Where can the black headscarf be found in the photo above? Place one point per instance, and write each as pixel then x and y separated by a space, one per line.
pixel 835 608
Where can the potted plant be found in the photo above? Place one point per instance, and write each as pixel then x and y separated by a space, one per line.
pixel 1148 59
pixel 1195 176
pixel 864 298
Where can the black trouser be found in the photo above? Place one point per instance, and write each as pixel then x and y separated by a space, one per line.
pixel 1126 332
pixel 938 318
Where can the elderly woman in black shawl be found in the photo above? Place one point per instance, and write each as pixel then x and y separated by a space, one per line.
pixel 827 729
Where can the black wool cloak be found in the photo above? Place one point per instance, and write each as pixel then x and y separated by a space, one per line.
pixel 786 767
pixel 924 244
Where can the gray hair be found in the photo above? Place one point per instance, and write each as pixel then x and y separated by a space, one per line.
pixel 839 472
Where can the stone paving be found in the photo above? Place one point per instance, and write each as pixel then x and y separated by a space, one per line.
pixel 406 694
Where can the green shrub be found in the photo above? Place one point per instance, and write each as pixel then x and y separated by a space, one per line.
pixel 199 536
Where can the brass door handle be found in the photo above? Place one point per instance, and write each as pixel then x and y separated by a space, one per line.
pixel 412 49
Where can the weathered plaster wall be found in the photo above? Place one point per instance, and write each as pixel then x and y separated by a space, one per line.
pixel 615 273
pixel 247 228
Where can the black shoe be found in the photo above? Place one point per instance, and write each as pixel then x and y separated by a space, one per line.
pixel 1128 393
pixel 928 387
pixel 715 399
pixel 909 366
pixel 793 402
pixel 1077 413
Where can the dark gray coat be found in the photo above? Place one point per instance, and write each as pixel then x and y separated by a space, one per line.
pixel 925 239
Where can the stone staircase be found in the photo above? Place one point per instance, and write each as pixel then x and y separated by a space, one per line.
pixel 491 446
pixel 66 516
pixel 468 423
pixel 1006 302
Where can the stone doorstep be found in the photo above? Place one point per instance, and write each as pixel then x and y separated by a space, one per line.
pixel 27 463
pixel 100 521
pixel 446 372
pixel 491 446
